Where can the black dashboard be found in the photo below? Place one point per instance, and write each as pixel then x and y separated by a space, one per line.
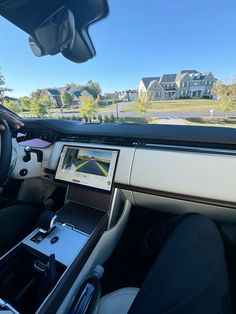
pixel 52 130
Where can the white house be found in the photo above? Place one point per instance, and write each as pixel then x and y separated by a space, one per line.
pixel 184 84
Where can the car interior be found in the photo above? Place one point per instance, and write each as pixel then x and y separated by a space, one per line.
pixel 91 194
pixel 84 222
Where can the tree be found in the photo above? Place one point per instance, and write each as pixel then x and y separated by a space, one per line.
pixel 3 89
pixel 226 94
pixel 38 106
pixel 142 102
pixel 38 93
pixel 112 118
pixel 89 106
pixel 13 106
pixel 93 88
pixel 66 99
pixel 25 103
pixel 100 118
pixel 47 103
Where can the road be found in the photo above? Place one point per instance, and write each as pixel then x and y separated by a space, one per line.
pixel 93 167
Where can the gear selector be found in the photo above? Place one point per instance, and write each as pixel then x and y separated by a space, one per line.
pixel 46 221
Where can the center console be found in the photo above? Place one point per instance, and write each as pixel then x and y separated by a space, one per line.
pixel 36 275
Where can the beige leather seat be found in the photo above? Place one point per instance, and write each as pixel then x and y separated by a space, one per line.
pixel 117 302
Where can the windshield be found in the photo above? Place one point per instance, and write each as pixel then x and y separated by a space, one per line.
pixel 158 62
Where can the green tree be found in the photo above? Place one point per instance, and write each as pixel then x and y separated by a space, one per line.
pixel 47 103
pixel 112 118
pixel 100 118
pixel 3 88
pixel 142 103
pixel 93 88
pixel 66 99
pixel 13 106
pixel 37 106
pixel 105 119
pixel 25 103
pixel 226 94
pixel 89 106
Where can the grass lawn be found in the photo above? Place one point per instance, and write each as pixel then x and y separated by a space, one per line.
pixel 177 105
pixel 105 108
pixel 133 120
pixel 138 120
pixel 216 122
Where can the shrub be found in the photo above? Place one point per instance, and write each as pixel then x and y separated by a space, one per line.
pixel 112 118
pixel 106 119
pixel 100 118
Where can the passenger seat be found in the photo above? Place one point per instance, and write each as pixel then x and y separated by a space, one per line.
pixel 117 302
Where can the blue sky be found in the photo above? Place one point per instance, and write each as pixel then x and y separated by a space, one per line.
pixel 96 153
pixel 139 38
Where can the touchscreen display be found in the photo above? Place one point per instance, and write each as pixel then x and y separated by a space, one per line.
pixel 93 167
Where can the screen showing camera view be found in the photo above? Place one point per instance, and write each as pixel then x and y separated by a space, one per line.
pixel 87 166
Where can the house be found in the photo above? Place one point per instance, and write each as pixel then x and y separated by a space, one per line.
pixel 85 93
pixel 184 84
pixel 75 93
pixel 55 95
pixel 114 95
pixel 127 95
pixel 132 95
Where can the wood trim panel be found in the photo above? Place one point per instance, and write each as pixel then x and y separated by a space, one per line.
pixel 90 197
pixel 183 197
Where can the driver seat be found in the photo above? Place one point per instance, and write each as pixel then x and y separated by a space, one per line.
pixel 16 222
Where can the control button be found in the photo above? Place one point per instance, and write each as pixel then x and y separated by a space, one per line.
pixel 23 172
pixel 38 237
pixel 54 240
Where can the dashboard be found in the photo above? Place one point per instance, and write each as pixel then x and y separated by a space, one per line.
pixel 155 161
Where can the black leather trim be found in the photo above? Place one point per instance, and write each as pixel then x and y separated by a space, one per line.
pixel 6 152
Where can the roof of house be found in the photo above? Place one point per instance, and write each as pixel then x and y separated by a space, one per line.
pixel 204 75
pixel 85 91
pixel 8 98
pixel 152 84
pixel 180 76
pixel 147 80
pixel 76 93
pixel 73 91
pixel 54 91
pixel 189 72
pixel 167 78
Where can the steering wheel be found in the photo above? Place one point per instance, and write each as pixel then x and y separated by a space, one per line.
pixel 6 151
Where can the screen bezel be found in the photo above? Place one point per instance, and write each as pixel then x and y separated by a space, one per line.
pixel 83 185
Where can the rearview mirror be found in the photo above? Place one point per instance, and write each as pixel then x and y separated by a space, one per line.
pixel 54 34
pixel 66 30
